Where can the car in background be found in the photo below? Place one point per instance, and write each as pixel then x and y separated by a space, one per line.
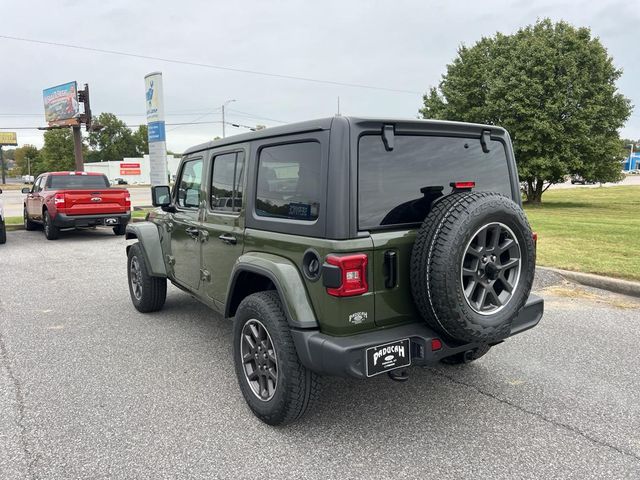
pixel 578 179
pixel 27 178
pixel 68 200
pixel 3 228
pixel 119 181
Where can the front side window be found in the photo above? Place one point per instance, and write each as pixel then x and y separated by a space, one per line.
pixel 226 182
pixel 289 181
pixel 189 184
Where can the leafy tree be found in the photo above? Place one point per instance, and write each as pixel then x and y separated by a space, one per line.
pixel 141 138
pixel 113 142
pixel 25 157
pixel 57 154
pixel 552 86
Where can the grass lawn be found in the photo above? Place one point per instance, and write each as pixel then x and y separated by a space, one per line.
pixel 594 230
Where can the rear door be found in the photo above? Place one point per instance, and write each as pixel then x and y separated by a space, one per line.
pixel 223 223
pixel 396 189
pixel 185 231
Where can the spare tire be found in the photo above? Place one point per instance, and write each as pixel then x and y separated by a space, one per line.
pixel 472 266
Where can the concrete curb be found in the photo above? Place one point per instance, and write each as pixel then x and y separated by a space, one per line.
pixel 616 285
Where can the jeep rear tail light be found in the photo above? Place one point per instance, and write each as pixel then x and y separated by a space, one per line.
pixel 463 185
pixel 346 275
pixel 535 239
pixel 59 200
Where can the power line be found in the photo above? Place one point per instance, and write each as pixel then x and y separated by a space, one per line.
pixel 206 65
pixel 251 115
pixel 128 126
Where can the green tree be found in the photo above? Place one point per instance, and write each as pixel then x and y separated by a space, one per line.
pixel 26 157
pixel 57 154
pixel 552 86
pixel 113 142
pixel 141 138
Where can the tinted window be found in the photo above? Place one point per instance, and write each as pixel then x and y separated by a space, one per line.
pixel 226 182
pixel 189 184
pixel 289 181
pixel 77 182
pixel 398 187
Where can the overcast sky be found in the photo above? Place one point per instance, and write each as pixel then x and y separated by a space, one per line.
pixel 401 45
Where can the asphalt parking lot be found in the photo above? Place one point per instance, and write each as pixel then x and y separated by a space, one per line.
pixel 90 388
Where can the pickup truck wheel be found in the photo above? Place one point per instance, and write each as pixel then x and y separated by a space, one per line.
pixel 3 232
pixel 148 293
pixel 50 230
pixel 275 385
pixel 120 229
pixel 472 266
pixel 28 224
pixel 468 356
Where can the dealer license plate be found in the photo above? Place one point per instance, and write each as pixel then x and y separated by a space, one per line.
pixel 389 356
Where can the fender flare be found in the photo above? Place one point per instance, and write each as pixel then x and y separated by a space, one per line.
pixel 148 237
pixel 288 282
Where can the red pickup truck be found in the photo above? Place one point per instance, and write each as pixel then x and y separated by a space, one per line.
pixel 66 200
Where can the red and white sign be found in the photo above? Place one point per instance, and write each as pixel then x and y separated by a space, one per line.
pixel 130 169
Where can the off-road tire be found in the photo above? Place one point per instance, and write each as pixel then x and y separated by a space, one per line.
pixel 3 232
pixel 50 230
pixel 120 229
pixel 436 264
pixel 466 357
pixel 28 224
pixel 297 388
pixel 153 290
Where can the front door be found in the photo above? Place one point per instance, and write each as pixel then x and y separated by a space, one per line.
pixel 185 231
pixel 223 225
pixel 34 199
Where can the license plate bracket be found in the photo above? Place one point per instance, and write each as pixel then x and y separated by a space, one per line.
pixel 388 356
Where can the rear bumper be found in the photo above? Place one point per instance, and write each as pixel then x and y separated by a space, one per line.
pixel 345 356
pixel 62 220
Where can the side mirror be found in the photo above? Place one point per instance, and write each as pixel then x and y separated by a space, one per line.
pixel 160 196
pixel 26 190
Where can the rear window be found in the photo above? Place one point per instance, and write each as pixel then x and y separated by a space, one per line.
pixel 398 187
pixel 77 182
pixel 289 181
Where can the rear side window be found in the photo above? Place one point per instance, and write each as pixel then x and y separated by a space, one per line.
pixel 77 182
pixel 289 181
pixel 397 187
pixel 226 182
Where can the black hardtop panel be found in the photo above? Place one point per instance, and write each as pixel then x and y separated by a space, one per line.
pixel 289 129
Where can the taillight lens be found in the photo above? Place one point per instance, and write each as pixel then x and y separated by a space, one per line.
pixel 353 273
pixel 59 200
pixel 535 239
pixel 127 202
pixel 463 185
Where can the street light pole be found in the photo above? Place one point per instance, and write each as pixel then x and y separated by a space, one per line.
pixel 223 120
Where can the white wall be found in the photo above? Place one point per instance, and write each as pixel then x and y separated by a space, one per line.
pixel 112 169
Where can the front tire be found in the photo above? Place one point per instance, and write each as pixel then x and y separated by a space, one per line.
pixel 275 385
pixel 28 224
pixel 50 230
pixel 3 232
pixel 148 293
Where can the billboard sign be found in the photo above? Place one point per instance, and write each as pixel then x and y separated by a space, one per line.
pixel 158 171
pixel 8 138
pixel 61 104
pixel 130 169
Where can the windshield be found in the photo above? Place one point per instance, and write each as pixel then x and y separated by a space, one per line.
pixel 397 187
pixel 77 182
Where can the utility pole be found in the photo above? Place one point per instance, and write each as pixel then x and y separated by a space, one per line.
pixel 338 105
pixel 4 180
pixel 223 119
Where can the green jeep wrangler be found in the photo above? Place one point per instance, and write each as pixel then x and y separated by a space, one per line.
pixel 344 246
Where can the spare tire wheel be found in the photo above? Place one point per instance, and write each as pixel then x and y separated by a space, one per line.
pixel 472 266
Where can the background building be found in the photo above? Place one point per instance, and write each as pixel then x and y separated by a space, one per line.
pixel 133 170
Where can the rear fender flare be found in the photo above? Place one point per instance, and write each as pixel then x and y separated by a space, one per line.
pixel 289 284
pixel 148 236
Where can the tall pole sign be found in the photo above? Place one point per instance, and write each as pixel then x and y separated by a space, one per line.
pixel 6 139
pixel 156 130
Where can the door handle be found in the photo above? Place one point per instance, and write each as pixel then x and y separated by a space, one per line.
pixel 228 239
pixel 192 232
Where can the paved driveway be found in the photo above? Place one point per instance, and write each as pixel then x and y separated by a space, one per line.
pixel 89 388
